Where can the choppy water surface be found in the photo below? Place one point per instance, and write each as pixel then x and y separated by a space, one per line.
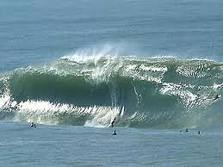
pixel 79 146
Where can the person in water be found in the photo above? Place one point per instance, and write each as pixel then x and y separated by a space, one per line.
pixel 186 130
pixel 113 122
pixel 32 125
pixel 114 133
pixel 216 97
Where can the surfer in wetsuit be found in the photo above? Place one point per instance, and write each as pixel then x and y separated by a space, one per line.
pixel 32 125
pixel 216 97
pixel 112 125
pixel 114 133
pixel 113 122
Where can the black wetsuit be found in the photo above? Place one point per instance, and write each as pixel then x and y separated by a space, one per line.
pixel 112 124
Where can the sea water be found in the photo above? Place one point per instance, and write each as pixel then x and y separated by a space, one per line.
pixel 34 32
pixel 73 67
pixel 82 146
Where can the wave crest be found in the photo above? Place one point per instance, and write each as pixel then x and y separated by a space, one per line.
pixel 155 92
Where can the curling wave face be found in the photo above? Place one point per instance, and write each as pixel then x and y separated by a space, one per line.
pixel 92 91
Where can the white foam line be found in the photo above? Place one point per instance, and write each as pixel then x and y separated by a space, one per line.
pixel 47 113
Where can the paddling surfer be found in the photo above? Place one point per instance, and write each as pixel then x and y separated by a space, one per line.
pixel 114 133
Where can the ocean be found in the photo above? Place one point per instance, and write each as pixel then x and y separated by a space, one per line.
pixel 154 68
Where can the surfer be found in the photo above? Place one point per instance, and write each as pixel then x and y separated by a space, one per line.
pixel 199 132
pixel 32 125
pixel 114 133
pixel 216 97
pixel 113 122
pixel 186 130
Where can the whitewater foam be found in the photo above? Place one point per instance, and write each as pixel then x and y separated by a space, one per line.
pixel 47 113
pixel 92 91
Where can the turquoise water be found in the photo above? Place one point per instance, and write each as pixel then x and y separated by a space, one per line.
pixel 73 67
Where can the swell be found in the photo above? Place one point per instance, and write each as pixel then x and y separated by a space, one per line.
pixel 158 92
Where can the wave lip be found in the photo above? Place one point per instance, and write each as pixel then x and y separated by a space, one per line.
pixel 155 92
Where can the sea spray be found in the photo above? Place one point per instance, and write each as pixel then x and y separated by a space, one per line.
pixel 92 91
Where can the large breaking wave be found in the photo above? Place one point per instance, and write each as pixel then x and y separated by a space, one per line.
pixel 92 91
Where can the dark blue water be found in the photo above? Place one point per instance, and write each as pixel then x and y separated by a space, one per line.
pixel 37 32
